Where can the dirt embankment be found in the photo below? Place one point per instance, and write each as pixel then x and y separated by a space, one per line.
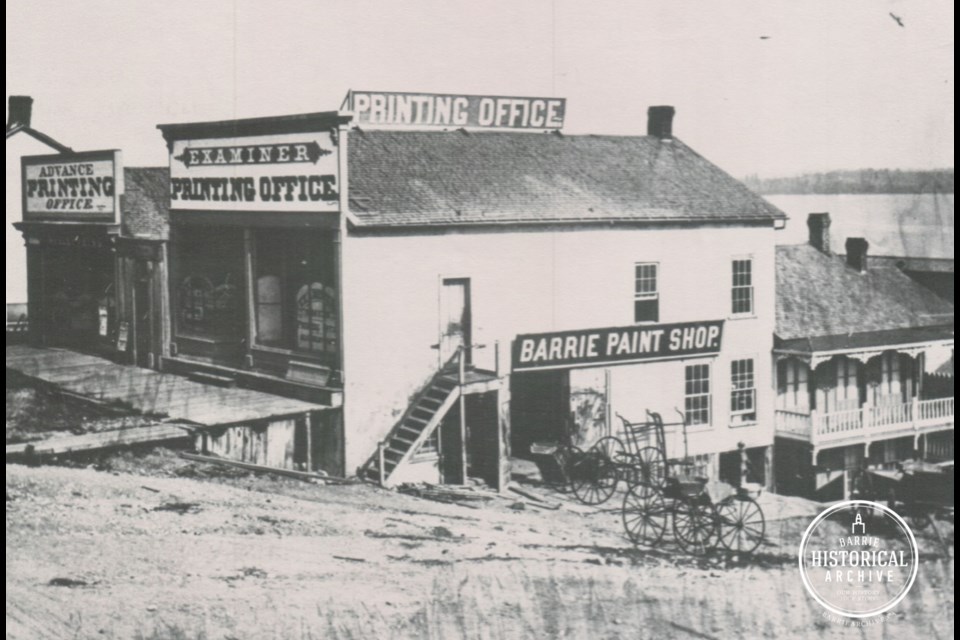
pixel 117 554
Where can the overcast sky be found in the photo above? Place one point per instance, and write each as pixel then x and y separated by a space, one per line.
pixel 765 87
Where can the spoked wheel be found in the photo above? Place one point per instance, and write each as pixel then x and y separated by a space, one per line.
pixel 612 448
pixel 741 524
pixel 644 515
pixel 593 477
pixel 695 525
pixel 565 456
pixel 652 468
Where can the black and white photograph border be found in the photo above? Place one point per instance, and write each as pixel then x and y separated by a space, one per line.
pixel 341 320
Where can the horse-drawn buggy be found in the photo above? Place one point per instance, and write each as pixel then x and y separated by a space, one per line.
pixel 663 493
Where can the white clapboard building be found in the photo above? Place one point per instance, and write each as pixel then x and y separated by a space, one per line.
pixel 462 281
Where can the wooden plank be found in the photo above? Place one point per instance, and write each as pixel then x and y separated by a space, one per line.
pixel 149 391
pixel 259 468
pixel 102 440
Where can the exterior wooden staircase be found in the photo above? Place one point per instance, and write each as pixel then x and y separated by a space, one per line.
pixel 422 418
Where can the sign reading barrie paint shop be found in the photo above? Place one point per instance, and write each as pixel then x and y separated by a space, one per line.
pixel 284 172
pixel 72 187
pixel 445 110
pixel 616 345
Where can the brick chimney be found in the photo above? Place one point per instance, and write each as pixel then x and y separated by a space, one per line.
pixel 857 253
pixel 819 226
pixel 660 122
pixel 19 111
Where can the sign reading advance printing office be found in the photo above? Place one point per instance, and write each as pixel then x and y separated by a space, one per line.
pixel 445 110
pixel 73 187
pixel 616 345
pixel 284 172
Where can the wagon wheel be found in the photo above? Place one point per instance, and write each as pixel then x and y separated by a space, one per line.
pixel 645 515
pixel 652 468
pixel 593 477
pixel 695 525
pixel 741 524
pixel 918 519
pixel 612 448
pixel 565 455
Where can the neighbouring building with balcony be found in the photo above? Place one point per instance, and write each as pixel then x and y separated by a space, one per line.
pixel 864 366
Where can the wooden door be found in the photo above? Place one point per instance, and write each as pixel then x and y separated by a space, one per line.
pixel 455 319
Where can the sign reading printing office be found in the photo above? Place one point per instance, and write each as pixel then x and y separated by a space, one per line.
pixel 445 110
pixel 616 345
pixel 285 172
pixel 75 187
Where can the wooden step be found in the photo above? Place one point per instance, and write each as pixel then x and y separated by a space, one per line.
pixel 402 441
pixel 212 378
pixel 423 412
pixel 414 421
pixel 409 432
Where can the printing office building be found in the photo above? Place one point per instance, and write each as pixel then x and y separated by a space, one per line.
pixel 95 235
pixel 461 279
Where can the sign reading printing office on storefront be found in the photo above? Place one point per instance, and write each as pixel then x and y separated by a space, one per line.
pixel 616 345
pixel 284 172
pixel 447 110
pixel 72 187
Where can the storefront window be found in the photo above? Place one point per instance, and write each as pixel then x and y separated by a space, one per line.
pixel 296 298
pixel 209 294
pixel 79 303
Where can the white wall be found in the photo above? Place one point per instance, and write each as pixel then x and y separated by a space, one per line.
pixel 537 281
pixel 19 145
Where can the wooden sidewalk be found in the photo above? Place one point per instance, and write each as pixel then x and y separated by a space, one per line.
pixel 168 397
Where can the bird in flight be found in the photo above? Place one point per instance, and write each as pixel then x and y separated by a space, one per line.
pixel 897 18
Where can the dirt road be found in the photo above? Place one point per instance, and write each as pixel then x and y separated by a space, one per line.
pixel 93 554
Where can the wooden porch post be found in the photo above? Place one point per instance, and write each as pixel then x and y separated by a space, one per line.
pixel 503 434
pixel 461 357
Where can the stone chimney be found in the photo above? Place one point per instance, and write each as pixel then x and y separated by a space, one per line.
pixel 660 122
pixel 857 253
pixel 20 107
pixel 819 226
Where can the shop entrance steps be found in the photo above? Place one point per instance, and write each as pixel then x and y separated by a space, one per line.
pixel 422 418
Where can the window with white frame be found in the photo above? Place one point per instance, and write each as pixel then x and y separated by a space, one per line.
pixel 696 401
pixel 742 289
pixel 792 391
pixel 848 390
pixel 743 392
pixel 646 292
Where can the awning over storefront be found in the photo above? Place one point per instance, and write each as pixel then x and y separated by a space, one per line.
pixel 866 345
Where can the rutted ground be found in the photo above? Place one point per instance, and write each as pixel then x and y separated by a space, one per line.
pixel 117 554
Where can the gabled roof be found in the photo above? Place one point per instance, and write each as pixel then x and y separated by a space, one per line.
pixel 15 128
pixel 457 178
pixel 826 304
pixel 145 203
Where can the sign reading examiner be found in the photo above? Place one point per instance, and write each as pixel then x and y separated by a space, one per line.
pixel 284 172
pixel 616 345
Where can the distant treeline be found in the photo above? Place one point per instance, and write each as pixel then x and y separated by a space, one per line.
pixel 858 181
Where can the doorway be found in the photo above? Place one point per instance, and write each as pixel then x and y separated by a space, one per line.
pixel 455 320
pixel 143 328
pixel 539 409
